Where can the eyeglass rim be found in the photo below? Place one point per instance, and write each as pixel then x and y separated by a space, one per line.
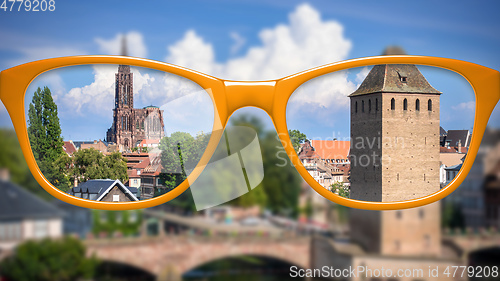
pixel 484 81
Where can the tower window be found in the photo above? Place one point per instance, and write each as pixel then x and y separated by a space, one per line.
pixel 399 214
pixel 405 104
pixel 369 105
pixel 417 105
pixel 376 104
pixel 393 104
pixel 363 106
pixel 356 107
pixel 429 105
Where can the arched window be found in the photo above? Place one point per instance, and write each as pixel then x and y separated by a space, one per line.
pixel 429 105
pixel 393 104
pixel 369 105
pixel 356 108
pixel 362 106
pixel 417 105
pixel 376 104
pixel 405 104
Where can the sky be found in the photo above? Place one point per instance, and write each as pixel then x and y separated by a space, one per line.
pixel 252 40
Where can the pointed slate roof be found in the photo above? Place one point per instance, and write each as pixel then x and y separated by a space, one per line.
pixel 102 187
pixel 395 78
pixel 18 203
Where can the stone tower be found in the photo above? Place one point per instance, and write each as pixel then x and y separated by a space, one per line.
pixel 132 125
pixel 394 135
pixel 395 157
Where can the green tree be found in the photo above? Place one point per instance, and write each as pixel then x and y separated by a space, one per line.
pixel 453 216
pixel 89 164
pixel 340 189
pixel 297 138
pixel 281 184
pixel 109 222
pixel 181 152
pixel 62 260
pixel 11 158
pixel 44 132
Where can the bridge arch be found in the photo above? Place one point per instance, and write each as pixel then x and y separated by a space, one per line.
pixel 234 256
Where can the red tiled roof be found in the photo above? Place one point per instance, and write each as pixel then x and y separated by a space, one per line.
pixel 69 147
pixel 154 167
pixel 452 149
pixel 331 149
pixel 143 164
pixel 132 173
pixel 148 141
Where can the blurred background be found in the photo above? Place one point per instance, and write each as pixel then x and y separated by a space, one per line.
pixel 283 222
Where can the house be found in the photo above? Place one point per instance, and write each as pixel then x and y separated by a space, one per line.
pixel 76 220
pixel 105 190
pixel 326 161
pixel 135 166
pixel 332 151
pixel 24 216
pixel 491 188
pixel 454 147
pixel 69 147
pixel 454 138
pixel 150 178
pixel 97 145
pixel 148 143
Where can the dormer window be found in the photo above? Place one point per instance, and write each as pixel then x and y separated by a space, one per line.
pixel 403 76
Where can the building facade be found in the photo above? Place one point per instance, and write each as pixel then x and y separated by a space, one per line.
pixel 394 135
pixel 397 110
pixel 130 125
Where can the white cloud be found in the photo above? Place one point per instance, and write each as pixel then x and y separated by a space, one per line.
pixel 135 44
pixel 239 42
pixel 29 54
pixel 193 52
pixel 304 42
pixel 95 98
pixel 468 106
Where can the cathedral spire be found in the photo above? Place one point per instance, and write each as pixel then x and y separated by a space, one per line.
pixel 124 46
pixel 124 68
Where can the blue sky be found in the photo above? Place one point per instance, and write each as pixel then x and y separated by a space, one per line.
pixel 232 39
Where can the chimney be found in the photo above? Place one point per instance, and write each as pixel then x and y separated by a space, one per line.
pixel 4 174
pixel 459 146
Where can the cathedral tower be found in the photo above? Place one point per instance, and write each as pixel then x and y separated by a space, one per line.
pixel 132 125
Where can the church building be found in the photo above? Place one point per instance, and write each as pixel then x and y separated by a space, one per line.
pixel 130 125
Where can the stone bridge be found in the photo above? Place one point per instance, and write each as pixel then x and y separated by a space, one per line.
pixel 169 256
pixel 466 244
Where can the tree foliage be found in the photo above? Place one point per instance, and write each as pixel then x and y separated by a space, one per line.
pixel 340 189
pixel 89 164
pixel 281 183
pixel 453 216
pixel 181 152
pixel 297 138
pixel 61 260
pixel 110 222
pixel 11 158
pixel 44 132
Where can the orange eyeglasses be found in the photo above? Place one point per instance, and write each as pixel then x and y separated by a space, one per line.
pixel 381 133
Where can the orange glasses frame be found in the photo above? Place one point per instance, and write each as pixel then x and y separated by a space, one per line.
pixel 271 96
